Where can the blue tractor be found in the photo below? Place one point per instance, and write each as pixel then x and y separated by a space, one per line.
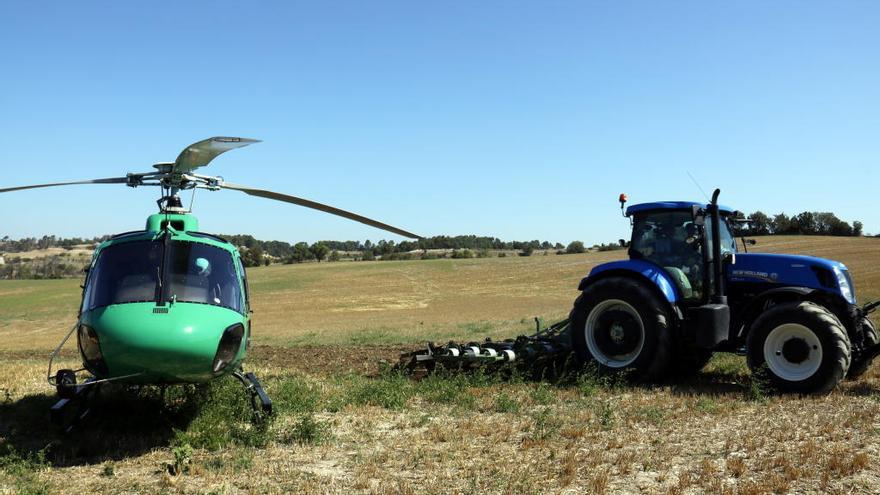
pixel 685 292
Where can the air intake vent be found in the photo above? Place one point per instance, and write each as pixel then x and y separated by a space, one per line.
pixel 160 310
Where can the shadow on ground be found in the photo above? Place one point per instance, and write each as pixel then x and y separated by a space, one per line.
pixel 124 422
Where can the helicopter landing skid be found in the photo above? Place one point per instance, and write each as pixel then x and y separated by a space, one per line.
pixel 69 412
pixel 261 402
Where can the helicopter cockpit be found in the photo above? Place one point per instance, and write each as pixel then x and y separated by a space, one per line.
pixel 193 272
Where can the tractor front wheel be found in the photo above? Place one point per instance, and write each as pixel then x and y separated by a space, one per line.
pixel 803 347
pixel 621 326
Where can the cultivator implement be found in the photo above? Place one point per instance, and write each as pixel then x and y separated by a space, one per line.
pixel 546 352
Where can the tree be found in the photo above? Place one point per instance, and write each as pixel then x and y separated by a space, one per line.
pixel 857 228
pixel 251 257
pixel 760 223
pixel 319 251
pixel 804 223
pixel 301 253
pixel 782 224
pixel 334 256
pixel 575 247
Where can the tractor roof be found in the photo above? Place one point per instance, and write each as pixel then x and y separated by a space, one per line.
pixel 671 205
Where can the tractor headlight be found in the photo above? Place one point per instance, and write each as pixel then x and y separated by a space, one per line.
pixel 230 343
pixel 90 348
pixel 845 284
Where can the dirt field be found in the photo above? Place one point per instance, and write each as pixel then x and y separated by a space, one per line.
pixel 345 425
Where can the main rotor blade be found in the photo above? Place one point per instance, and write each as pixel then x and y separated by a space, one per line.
pixel 200 154
pixel 318 206
pixel 111 180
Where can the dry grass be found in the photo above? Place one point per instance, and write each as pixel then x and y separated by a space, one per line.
pixel 338 432
pixel 661 439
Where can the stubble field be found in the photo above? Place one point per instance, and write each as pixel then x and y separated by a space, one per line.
pixel 345 424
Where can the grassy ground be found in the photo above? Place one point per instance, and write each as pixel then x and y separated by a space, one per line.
pixel 343 425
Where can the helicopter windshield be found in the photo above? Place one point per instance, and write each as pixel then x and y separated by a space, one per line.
pixel 201 273
pixel 124 273
pixel 195 272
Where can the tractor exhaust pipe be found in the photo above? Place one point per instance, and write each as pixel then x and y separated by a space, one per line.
pixel 718 296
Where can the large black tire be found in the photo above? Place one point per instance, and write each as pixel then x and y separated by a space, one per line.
pixel 860 366
pixel 628 329
pixel 808 348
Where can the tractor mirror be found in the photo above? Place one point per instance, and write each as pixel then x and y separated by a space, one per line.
pixel 699 216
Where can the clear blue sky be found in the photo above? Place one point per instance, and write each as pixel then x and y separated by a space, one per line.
pixel 522 120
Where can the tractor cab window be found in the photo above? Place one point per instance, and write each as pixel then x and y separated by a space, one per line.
pixel 728 242
pixel 124 273
pixel 201 273
pixel 670 239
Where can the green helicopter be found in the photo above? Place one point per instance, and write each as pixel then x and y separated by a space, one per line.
pixel 168 304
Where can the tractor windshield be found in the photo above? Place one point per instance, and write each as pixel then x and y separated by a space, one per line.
pixel 192 272
pixel 670 239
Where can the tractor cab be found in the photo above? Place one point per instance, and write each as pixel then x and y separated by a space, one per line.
pixel 671 236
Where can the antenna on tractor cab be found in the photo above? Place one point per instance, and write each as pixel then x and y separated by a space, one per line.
pixel 698 185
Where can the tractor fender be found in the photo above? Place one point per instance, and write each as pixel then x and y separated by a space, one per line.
pixel 647 273
pixel 755 307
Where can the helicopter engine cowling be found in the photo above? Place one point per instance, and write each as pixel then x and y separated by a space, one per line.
pixel 176 343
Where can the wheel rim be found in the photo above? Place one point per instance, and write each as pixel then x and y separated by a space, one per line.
pixel 614 333
pixel 793 352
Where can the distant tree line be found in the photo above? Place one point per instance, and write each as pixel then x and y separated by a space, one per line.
pixel 8 245
pixel 256 252
pixel 805 223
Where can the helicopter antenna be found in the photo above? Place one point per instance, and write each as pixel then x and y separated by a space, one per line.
pixel 698 185
pixel 192 199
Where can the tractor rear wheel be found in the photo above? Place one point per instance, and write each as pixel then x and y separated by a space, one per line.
pixel 870 340
pixel 623 327
pixel 803 347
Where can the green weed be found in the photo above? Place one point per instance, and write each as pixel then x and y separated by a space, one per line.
pixel 225 417
pixel 390 390
pixel 545 424
pixel 506 404
pixel 182 454
pixel 295 395
pixel 307 431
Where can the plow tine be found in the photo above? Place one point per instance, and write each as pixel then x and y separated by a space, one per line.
pixel 544 349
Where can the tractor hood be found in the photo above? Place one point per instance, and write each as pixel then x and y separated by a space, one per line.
pixel 792 270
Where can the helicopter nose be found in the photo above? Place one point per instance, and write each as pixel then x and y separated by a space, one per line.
pixel 177 344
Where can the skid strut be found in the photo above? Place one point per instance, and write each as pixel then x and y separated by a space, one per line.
pixel 260 401
pixel 69 412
